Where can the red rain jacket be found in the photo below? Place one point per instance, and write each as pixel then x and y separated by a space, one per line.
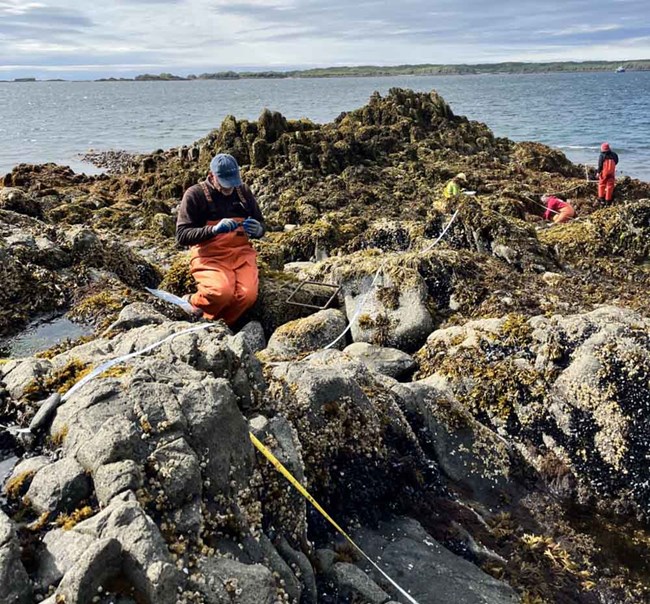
pixel 553 205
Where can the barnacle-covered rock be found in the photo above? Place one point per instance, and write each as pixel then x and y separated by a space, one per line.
pixel 575 385
pixel 519 446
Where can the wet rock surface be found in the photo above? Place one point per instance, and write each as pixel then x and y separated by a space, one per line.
pixel 405 548
pixel 508 464
pixel 15 586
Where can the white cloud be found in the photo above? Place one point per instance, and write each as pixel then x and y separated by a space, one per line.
pixel 582 29
pixel 13 7
pixel 208 35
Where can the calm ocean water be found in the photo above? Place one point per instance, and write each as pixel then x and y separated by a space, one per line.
pixel 56 121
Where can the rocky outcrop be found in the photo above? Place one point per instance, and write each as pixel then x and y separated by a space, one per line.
pixel 42 266
pixel 509 466
pixel 156 472
pixel 572 386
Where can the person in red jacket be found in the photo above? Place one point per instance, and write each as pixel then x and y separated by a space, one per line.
pixel 557 209
pixel 217 218
pixel 607 161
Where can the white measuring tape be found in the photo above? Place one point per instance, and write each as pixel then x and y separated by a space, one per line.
pixel 108 364
pixel 356 314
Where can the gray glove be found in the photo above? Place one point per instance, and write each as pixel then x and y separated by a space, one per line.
pixel 225 226
pixel 253 228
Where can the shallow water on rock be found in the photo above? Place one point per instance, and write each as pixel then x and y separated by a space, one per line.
pixel 42 334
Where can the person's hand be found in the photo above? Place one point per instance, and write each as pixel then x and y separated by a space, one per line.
pixel 253 228
pixel 225 225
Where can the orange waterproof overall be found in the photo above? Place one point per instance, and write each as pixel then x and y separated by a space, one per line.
pixel 607 180
pixel 225 271
pixel 565 214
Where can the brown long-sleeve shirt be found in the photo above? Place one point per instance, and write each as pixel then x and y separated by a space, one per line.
pixel 195 212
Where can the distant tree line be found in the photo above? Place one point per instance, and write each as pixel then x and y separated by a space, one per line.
pixel 426 69
pixel 394 70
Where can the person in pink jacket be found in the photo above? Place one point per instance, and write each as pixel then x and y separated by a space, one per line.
pixel 557 209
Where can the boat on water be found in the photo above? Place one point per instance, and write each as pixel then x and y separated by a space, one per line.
pixel 620 69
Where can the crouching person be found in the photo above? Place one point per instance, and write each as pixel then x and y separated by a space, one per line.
pixel 557 210
pixel 217 219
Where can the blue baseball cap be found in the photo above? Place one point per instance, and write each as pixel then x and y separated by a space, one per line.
pixel 226 169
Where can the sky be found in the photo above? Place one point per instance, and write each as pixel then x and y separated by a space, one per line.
pixel 85 39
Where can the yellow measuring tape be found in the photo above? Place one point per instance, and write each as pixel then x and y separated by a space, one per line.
pixel 305 493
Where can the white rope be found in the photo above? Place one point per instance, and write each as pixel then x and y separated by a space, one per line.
pixel 407 595
pixel 374 281
pixel 444 232
pixel 108 364
pixel 359 308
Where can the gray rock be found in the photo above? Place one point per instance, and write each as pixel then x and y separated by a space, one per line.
pixel 219 435
pixel 24 472
pixel 25 374
pixel 59 487
pixel 505 252
pixel 253 333
pixel 45 412
pixel 352 584
pixel 389 361
pixel 302 569
pixel 394 314
pixel 260 550
pixel 15 586
pixel 178 471
pixel 98 409
pixel 155 404
pixel 288 509
pixel 336 399
pixel 115 478
pixel 101 561
pixel 248 381
pixel 117 439
pixel 246 583
pixel 426 570
pixel 50 254
pixel 21 239
pixel 147 563
pixel 136 315
pixel 573 381
pixel 320 380
pixel 163 224
pixel 83 242
pixel 466 451
pixel 308 334
pixel 300 269
pixel 15 200
pixel 8 366
pixel 188 519
pixel 325 559
pixel 60 551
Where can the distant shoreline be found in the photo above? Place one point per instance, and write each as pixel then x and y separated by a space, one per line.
pixel 379 71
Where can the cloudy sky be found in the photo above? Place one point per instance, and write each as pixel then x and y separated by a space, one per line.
pixel 81 39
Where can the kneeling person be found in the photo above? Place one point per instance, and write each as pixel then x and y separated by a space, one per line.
pixel 557 210
pixel 217 218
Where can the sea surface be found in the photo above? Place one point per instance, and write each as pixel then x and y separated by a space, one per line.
pixel 57 121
